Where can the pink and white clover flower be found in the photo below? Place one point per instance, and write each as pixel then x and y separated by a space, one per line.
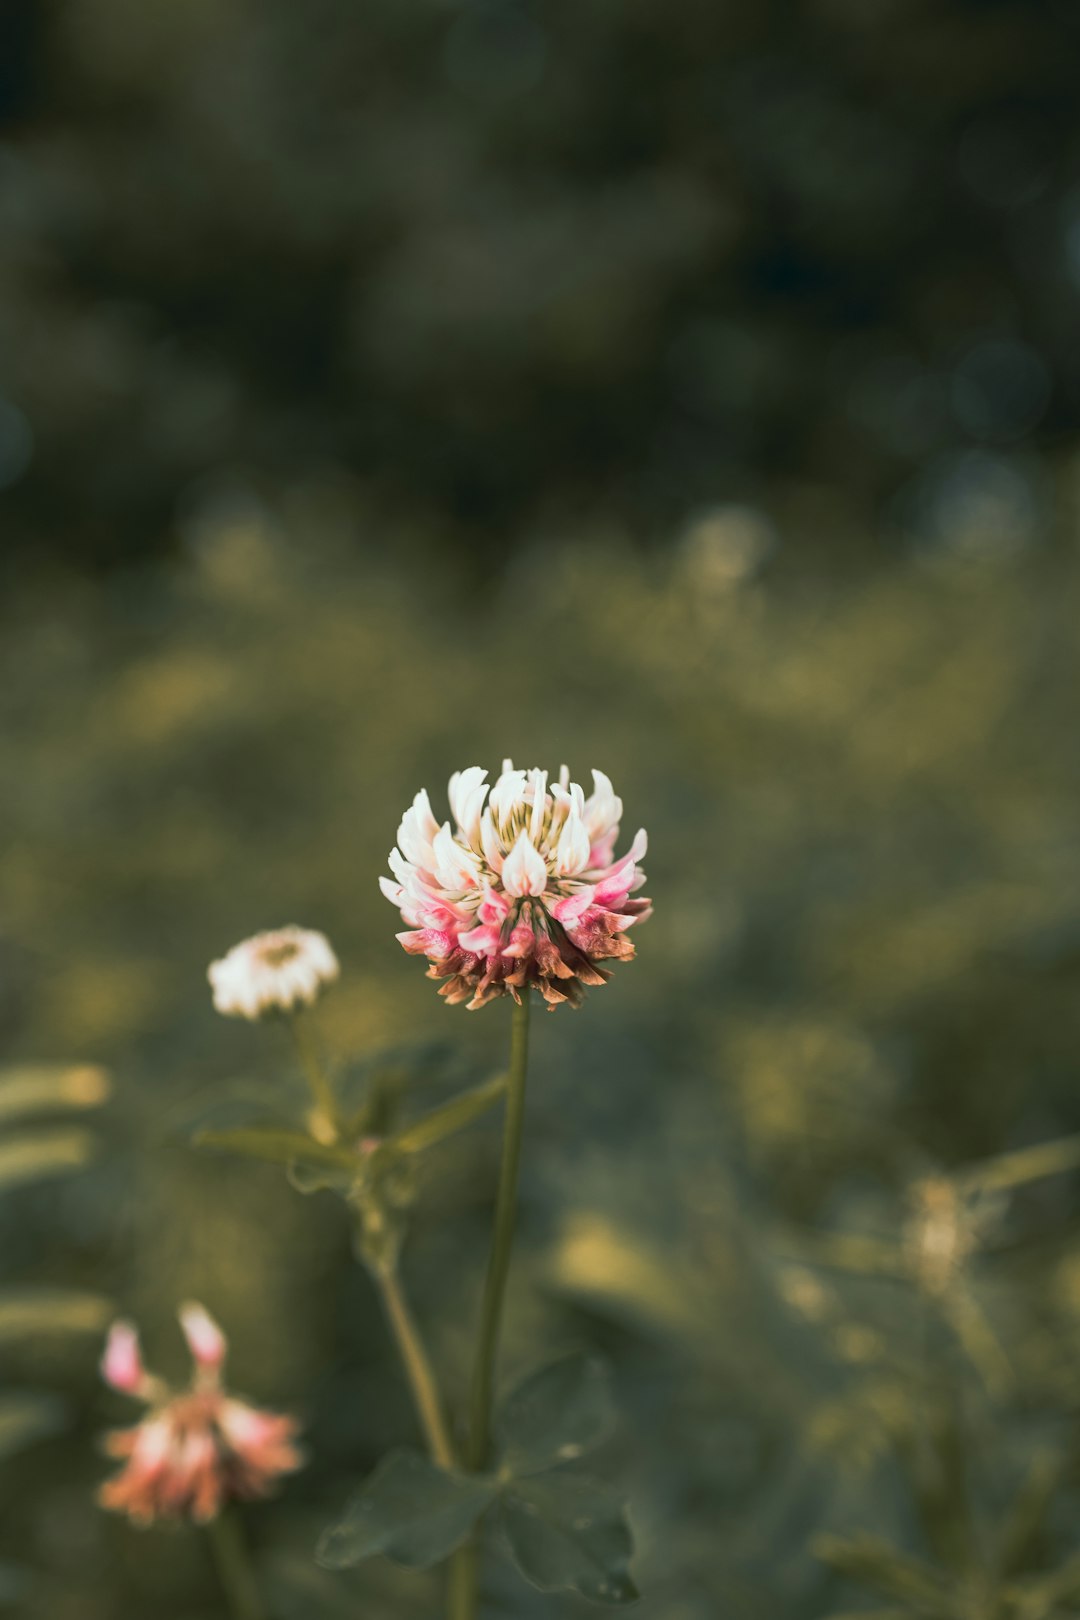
pixel 198 1448
pixel 522 889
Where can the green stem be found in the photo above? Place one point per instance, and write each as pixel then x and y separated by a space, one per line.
pixel 324 1124
pixel 483 1383
pixel 462 1582
pixel 464 1571
pixel 418 1368
pixel 233 1562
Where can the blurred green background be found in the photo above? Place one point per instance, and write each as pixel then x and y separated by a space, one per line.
pixel 687 391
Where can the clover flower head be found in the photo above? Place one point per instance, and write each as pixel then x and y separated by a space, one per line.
pixel 276 972
pixel 521 890
pixel 196 1449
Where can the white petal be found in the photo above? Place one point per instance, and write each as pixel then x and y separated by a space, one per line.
pixel 455 867
pixel 418 828
pixel 402 869
pixel 508 792
pixel 602 810
pixel 490 843
pixel 538 783
pixel 464 803
pixel 524 871
pixel 572 853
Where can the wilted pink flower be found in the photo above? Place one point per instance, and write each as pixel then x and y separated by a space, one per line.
pixel 274 972
pixel 523 890
pixel 197 1448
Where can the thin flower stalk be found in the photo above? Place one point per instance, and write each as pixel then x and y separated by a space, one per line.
pixel 386 1276
pixel 323 1120
pixel 232 1561
pixel 418 1368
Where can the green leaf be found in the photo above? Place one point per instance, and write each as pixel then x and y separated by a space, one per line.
pixel 569 1531
pixel 555 1415
pixel 276 1146
pixel 451 1117
pixel 49 1088
pixel 408 1510
pixel 33 1155
pixel 50 1310
pixel 27 1417
pixel 235 1104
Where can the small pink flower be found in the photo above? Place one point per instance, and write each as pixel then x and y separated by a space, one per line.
pixel 521 891
pixel 196 1449
pixel 278 971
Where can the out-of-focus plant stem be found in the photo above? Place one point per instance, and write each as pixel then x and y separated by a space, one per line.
pixel 233 1561
pixel 418 1368
pixel 462 1582
pixel 464 1570
pixel 1007 1170
pixel 324 1121
pixel 414 1357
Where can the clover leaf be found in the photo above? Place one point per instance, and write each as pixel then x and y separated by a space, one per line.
pixel 555 1415
pixel 565 1530
pixel 409 1510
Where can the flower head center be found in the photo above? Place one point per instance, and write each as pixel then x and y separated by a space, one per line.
pixel 279 953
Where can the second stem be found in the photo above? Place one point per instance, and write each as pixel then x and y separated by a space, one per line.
pixel 323 1121
pixel 233 1562
pixel 417 1366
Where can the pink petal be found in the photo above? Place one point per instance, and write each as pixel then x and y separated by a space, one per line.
pixel 122 1363
pixel 618 879
pixel 494 906
pixel 573 907
pixel 522 942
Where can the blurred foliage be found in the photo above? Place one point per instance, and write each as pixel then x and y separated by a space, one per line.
pixel 510 261
pixel 32 1314
pixel 789 1172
